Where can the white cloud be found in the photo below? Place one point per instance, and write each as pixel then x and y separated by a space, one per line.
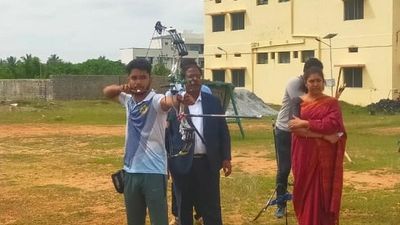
pixel 80 29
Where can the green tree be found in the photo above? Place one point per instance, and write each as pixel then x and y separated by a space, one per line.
pixel 101 66
pixel 4 71
pixel 55 66
pixel 31 66
pixel 160 68
pixel 12 66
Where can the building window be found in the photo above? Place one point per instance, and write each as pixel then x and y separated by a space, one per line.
pixel 283 0
pixel 353 76
pixel 195 47
pixel 273 55
pixel 295 54
pixel 353 9
pixel 262 58
pixel 237 55
pixel 217 1
pixel 237 21
pixel 283 57
pixel 201 63
pixel 218 23
pixel 305 55
pixel 218 55
pixel 353 49
pixel 262 2
pixel 218 75
pixel 238 78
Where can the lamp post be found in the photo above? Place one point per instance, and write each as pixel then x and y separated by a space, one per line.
pixel 329 36
pixel 226 53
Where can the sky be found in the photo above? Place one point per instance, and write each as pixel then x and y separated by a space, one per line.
pixel 77 30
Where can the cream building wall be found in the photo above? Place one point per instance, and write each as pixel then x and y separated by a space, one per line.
pixel 294 26
pixel 396 44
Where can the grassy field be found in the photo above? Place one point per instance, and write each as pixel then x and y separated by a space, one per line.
pixel 56 159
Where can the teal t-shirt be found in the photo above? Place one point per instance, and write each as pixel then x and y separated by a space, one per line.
pixel 145 133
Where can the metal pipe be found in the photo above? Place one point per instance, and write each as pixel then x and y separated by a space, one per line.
pixel 330 59
pixel 223 116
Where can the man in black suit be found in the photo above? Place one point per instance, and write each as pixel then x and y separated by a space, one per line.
pixel 196 174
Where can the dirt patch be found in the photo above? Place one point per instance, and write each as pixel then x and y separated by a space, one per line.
pixel 53 171
pixel 44 161
pixel 386 130
pixel 265 127
pixel 84 181
pixel 375 179
pixel 101 209
pixel 258 164
pixel 29 130
pixel 254 163
pixel 234 218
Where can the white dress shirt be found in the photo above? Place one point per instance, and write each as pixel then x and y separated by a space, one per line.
pixel 197 108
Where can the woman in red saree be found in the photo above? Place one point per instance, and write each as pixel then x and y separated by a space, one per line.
pixel 317 161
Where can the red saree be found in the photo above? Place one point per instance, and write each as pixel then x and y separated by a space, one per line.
pixel 318 165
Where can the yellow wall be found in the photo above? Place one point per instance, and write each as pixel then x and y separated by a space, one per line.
pixel 396 49
pixel 293 26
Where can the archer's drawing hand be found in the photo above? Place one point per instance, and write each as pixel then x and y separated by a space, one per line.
pixel 185 98
pixel 126 88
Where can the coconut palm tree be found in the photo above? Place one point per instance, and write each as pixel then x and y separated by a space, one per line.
pixel 31 66
pixel 12 66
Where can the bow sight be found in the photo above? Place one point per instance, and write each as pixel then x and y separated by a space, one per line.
pixel 176 38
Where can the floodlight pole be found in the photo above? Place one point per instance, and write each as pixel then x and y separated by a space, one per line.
pixel 226 53
pixel 330 60
pixel 329 36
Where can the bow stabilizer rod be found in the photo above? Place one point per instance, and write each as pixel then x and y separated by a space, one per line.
pixel 223 116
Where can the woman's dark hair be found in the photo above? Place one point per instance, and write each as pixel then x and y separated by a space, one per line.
pixel 309 72
pixel 311 62
pixel 140 64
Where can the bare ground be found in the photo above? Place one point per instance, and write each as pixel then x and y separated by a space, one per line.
pixel 55 172
pixel 29 130
pixel 250 163
pixel 254 163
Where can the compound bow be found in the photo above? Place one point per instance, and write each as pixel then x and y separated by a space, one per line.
pixel 176 86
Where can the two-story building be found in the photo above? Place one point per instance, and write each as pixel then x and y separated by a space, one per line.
pixel 260 44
